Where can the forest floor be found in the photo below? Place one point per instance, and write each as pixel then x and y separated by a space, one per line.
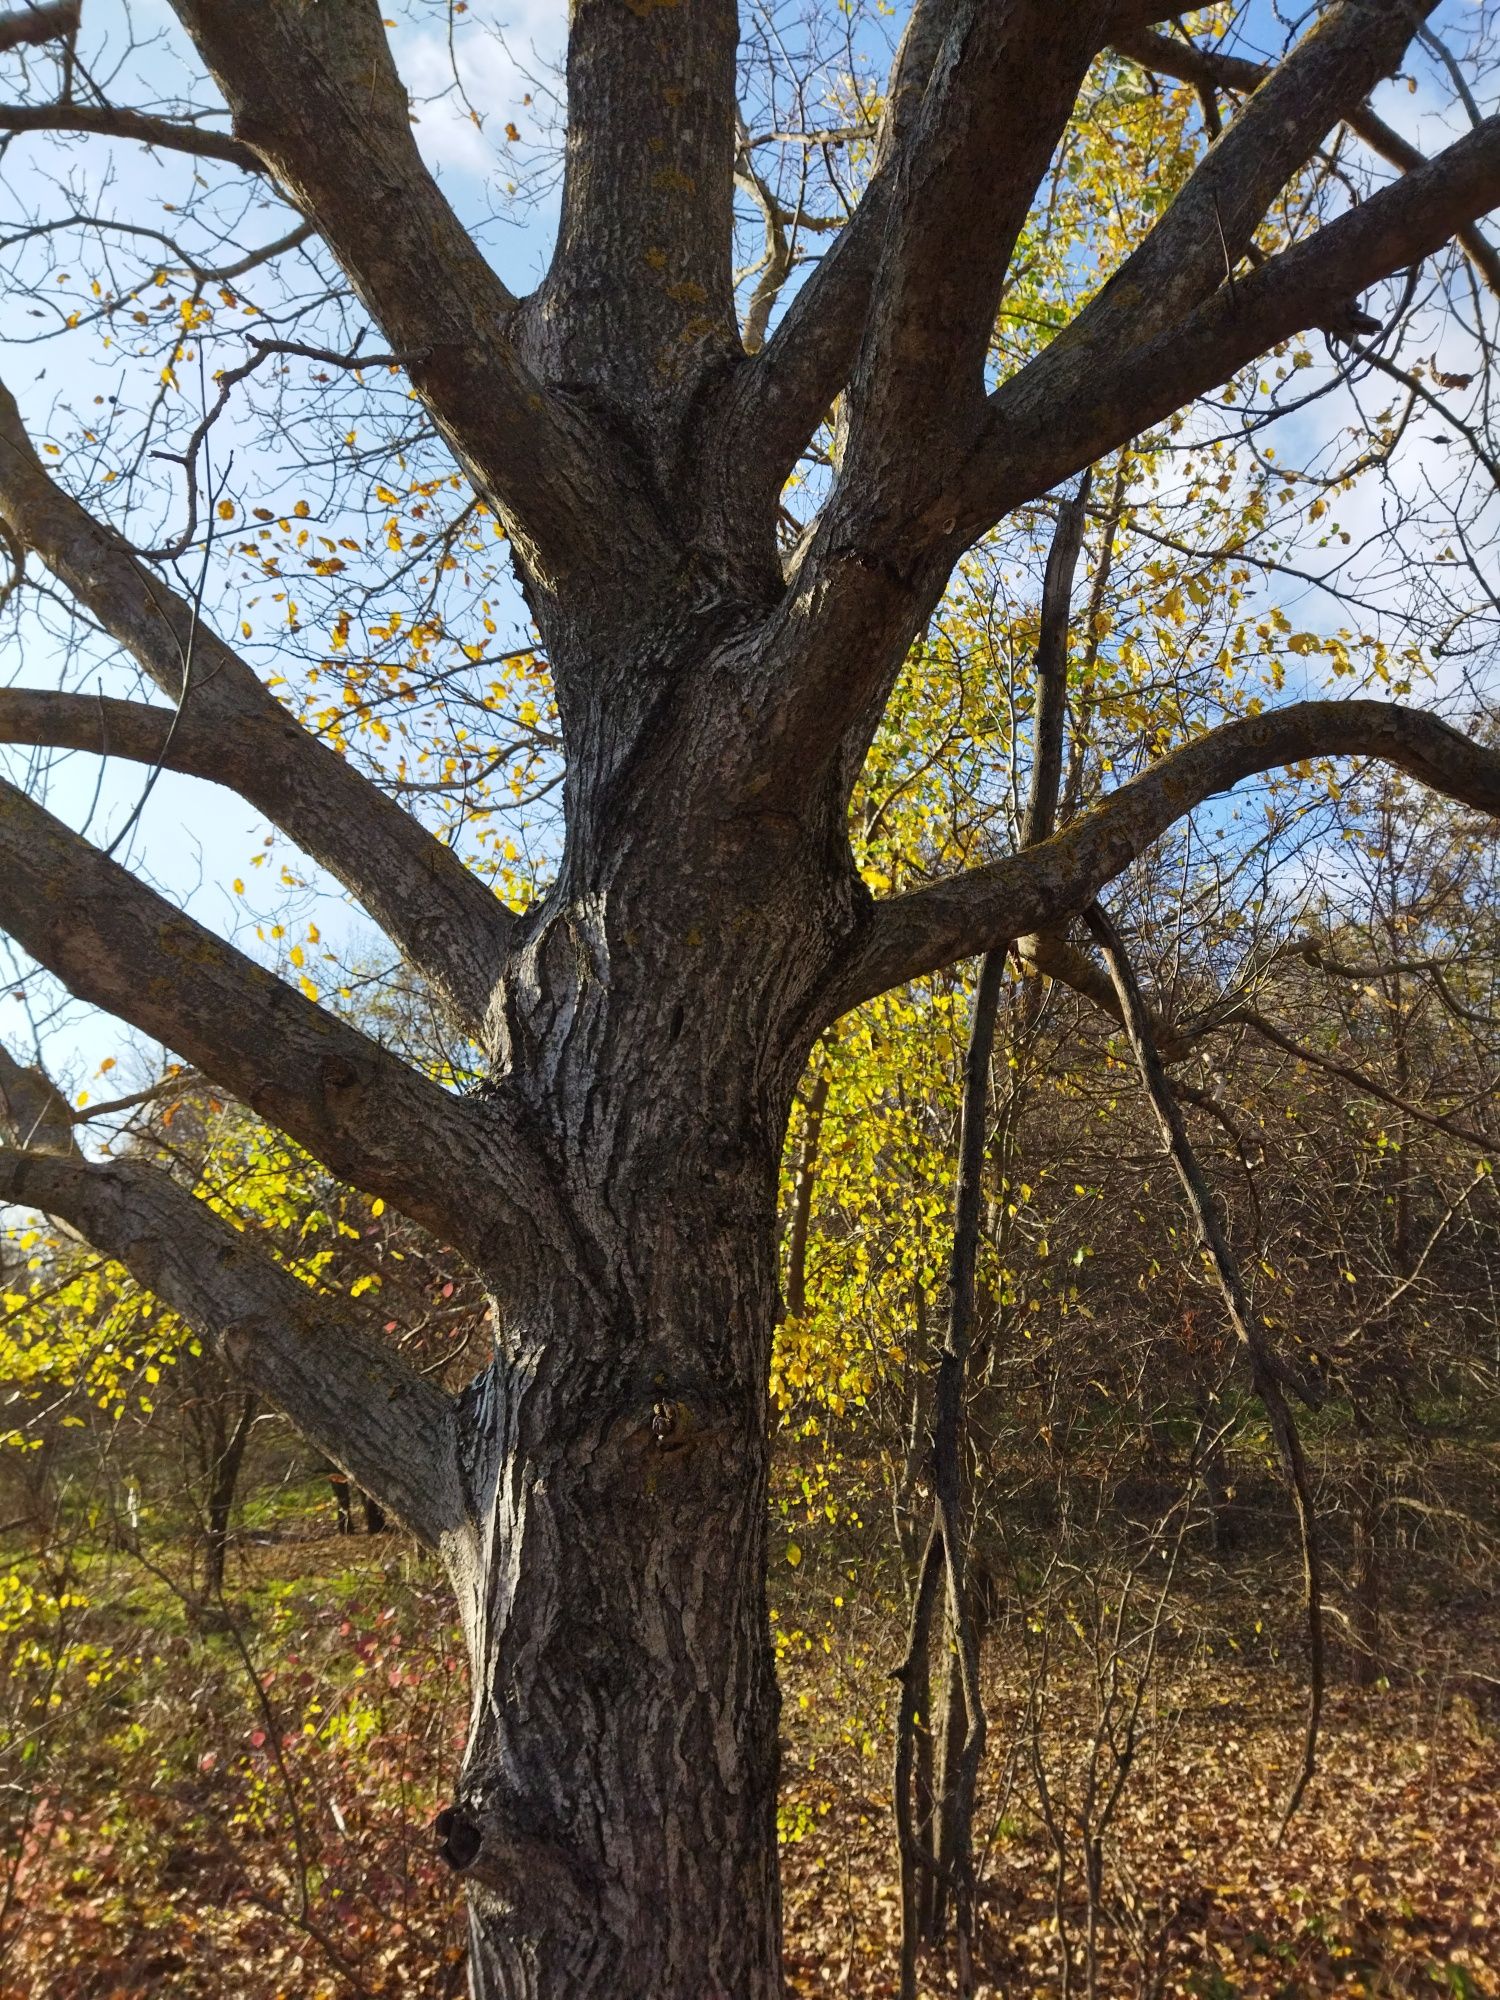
pixel 244 1815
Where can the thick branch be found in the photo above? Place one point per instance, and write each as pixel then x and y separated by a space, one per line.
pixel 32 27
pixel 345 1390
pixel 1003 86
pixel 640 296
pixel 1078 401
pixel 231 729
pixel 1211 69
pixel 33 1111
pixel 372 1121
pixel 315 92
pixel 1204 234
pixel 981 908
pixel 781 397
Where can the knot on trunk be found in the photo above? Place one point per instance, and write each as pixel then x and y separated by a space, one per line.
pixel 460 1837
pixel 529 1871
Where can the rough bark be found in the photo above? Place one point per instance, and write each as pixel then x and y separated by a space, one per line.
pixel 599 1492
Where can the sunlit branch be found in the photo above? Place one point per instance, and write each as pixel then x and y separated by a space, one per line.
pixel 1211 68
pixel 908 935
pixel 1079 400
pixel 110 121
pixel 231 729
pixel 316 93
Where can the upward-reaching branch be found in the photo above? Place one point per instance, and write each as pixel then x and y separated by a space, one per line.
pixel 1195 246
pixel 315 92
pixel 639 302
pixel 1081 399
pixel 1050 697
pixel 364 1114
pixel 1003 83
pixel 1211 69
pixel 1002 87
pixel 780 397
pixel 231 729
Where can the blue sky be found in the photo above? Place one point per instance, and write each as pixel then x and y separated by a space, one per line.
pixel 193 840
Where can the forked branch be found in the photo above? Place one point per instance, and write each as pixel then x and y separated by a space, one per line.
pixel 1203 235
pixel 1211 69
pixel 1082 399
pixel 316 94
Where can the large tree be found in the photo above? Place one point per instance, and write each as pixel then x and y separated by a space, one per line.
pixel 598 1493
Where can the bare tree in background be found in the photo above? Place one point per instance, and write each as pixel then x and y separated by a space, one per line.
pixel 599 1492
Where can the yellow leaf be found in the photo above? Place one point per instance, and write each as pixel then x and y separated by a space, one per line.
pixel 377 1206
pixel 793 1554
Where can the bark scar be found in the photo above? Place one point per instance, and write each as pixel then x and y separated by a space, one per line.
pixel 530 1873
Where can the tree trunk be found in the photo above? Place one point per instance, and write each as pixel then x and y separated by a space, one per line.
pixel 223 1479
pixel 616 1820
pixel 616 1815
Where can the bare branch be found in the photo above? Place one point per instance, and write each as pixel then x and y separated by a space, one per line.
pixel 1050 701
pixel 372 1121
pixel 1195 246
pixel 1024 893
pixel 348 1392
pixel 175 135
pixel 1077 401
pixel 1361 1081
pixel 232 730
pixel 641 277
pixel 1211 69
